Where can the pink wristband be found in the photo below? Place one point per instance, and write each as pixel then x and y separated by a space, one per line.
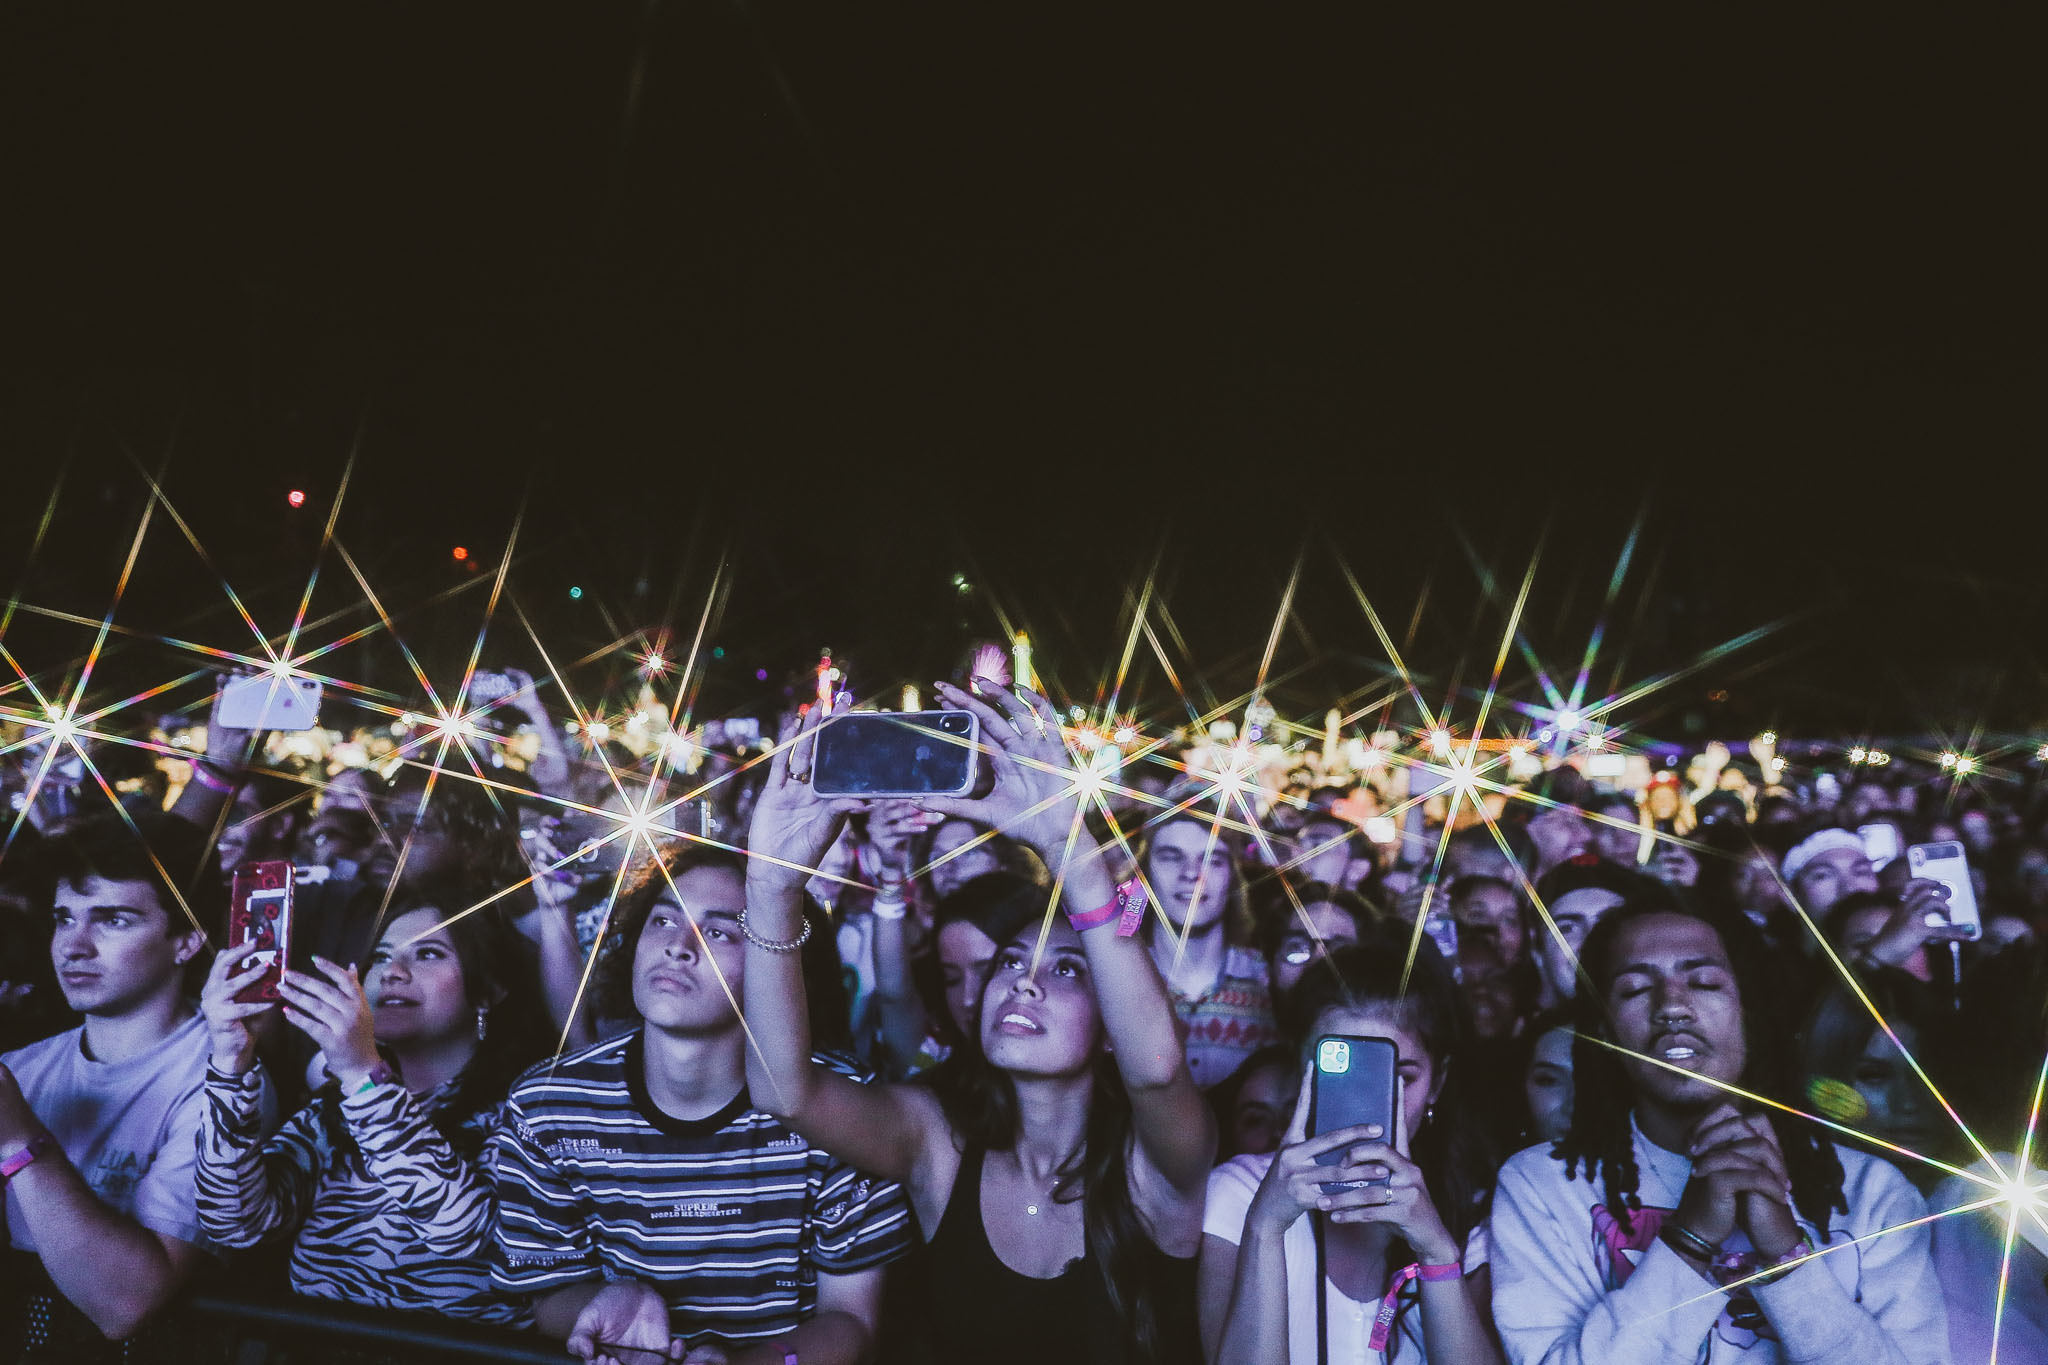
pixel 1131 901
pixel 1383 1321
pixel 1096 918
pixel 206 777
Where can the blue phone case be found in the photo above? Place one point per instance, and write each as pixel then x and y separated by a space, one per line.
pixel 1355 1079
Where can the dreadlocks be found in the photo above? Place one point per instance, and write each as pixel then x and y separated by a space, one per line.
pixel 1600 1135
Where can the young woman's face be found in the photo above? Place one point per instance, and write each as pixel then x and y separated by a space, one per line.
pixel 1421 1077
pixel 964 955
pixel 1328 926
pixel 413 981
pixel 1548 1086
pixel 1900 1110
pixel 1492 912
pixel 958 870
pixel 1191 871
pixel 1042 1022
pixel 1258 1121
pixel 1675 1008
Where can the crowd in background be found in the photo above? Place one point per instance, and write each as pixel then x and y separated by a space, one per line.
pixel 684 1060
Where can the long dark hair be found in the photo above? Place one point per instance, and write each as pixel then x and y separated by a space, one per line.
pixel 980 1103
pixel 1601 1136
pixel 1455 1158
pixel 497 976
pixel 1456 1163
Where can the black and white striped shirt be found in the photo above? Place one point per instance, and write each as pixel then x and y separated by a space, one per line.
pixel 731 1217
pixel 399 1222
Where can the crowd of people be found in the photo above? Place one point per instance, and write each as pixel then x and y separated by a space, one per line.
pixel 1024 1074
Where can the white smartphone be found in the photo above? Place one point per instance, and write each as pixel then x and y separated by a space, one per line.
pixel 1946 863
pixel 263 701
pixel 1880 844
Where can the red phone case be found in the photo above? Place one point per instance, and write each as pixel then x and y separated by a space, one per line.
pixel 260 913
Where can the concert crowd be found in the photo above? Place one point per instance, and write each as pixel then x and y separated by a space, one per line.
pixel 635 1060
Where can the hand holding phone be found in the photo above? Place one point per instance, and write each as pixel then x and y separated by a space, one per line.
pixel 260 921
pixel 1356 1081
pixel 887 753
pixel 265 701
pixel 1947 864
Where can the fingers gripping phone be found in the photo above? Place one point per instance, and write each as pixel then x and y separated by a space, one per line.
pixel 260 916
pixel 904 753
pixel 263 701
pixel 1946 863
pixel 1355 1081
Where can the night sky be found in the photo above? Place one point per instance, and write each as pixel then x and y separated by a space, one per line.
pixel 863 297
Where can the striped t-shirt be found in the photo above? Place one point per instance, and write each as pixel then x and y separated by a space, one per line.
pixel 731 1217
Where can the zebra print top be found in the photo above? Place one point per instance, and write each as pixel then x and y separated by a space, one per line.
pixel 399 1222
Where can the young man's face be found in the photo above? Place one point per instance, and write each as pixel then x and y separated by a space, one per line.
pixel 1675 1008
pixel 1831 876
pixel 690 953
pixel 115 946
pixel 1575 914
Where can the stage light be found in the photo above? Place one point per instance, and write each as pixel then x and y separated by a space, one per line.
pixel 1567 721
pixel 1965 764
pixel 297 497
pixel 1948 760
pixel 1440 741
pixel 1858 754
pixel 461 552
pixel 575 594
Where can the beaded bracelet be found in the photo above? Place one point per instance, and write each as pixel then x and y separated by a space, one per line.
pixel 803 936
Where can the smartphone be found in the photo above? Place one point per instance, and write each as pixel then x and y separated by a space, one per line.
pixel 263 701
pixel 488 689
pixel 1946 863
pixel 896 753
pixel 1355 1082
pixel 1443 932
pixel 260 915
pixel 1880 844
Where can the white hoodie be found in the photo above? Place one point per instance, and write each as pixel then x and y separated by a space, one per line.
pixel 1559 1299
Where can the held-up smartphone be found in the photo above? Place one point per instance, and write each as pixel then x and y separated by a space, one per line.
pixel 263 701
pixel 1945 863
pixel 1880 844
pixel 1443 932
pixel 1355 1082
pixel 488 689
pixel 260 915
pixel 896 753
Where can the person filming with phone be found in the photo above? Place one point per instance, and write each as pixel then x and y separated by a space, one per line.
pixel 1059 1182
pixel 1377 1254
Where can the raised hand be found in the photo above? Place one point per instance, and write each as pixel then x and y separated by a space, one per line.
pixel 228 1020
pixel 1035 799
pixel 793 827
pixel 331 1010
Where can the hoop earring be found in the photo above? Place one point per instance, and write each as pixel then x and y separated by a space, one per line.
pixel 483 1021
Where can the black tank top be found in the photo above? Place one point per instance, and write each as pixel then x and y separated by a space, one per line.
pixel 974 1307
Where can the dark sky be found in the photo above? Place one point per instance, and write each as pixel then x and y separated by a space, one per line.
pixel 865 296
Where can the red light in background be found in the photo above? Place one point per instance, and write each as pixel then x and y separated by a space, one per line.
pixel 297 497
pixel 461 552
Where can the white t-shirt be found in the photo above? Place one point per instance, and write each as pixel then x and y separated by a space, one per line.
pixel 1562 1297
pixel 131 1128
pixel 1968 1251
pixel 1231 1187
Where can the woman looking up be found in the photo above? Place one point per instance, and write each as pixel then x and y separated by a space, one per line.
pixel 1061 1182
